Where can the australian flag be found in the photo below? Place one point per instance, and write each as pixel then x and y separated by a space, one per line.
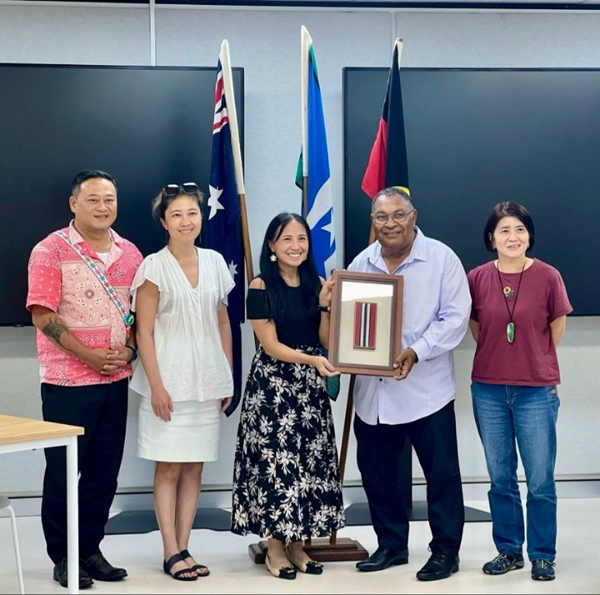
pixel 222 225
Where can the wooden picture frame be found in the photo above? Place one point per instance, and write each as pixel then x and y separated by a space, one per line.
pixel 366 322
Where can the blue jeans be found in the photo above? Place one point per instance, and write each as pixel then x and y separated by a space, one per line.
pixel 523 416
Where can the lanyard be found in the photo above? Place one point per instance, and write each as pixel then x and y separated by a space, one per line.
pixel 510 327
pixel 127 316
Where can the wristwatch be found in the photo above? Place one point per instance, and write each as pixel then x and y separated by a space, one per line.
pixel 323 308
pixel 134 353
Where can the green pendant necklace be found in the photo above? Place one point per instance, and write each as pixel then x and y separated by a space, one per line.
pixel 510 327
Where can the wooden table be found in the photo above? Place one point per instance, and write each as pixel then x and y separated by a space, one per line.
pixel 18 434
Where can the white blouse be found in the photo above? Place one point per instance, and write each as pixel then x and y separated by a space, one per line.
pixel 191 360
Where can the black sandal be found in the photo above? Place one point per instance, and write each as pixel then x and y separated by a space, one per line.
pixel 185 554
pixel 178 576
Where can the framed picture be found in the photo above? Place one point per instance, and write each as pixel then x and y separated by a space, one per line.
pixel 366 322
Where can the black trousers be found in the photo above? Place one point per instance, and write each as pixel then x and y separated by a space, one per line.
pixel 102 410
pixel 434 441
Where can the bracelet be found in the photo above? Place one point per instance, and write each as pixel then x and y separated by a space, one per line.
pixel 323 308
pixel 134 353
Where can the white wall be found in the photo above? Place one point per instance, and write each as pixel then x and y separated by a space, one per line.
pixel 266 44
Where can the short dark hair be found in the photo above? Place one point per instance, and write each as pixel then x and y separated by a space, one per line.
pixel 161 202
pixel 89 174
pixel 508 209
pixel 393 191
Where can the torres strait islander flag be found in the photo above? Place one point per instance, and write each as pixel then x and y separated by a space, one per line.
pixel 388 162
pixel 222 227
pixel 313 164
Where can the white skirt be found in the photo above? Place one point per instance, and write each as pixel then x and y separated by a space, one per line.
pixel 192 435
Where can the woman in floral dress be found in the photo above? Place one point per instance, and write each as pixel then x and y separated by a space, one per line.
pixel 286 479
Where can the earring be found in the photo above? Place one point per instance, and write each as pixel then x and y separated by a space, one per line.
pixel 273 257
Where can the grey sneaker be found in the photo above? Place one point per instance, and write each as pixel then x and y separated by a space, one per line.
pixel 503 563
pixel 542 570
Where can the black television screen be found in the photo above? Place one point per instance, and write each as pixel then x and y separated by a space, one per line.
pixel 476 137
pixel 147 126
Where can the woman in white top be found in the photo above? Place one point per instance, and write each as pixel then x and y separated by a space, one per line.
pixel 185 381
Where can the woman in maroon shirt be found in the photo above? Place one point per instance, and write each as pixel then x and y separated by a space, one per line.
pixel 518 319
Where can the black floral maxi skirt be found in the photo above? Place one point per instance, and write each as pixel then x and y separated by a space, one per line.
pixel 286 477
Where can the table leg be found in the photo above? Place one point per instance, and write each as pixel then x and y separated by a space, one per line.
pixel 72 516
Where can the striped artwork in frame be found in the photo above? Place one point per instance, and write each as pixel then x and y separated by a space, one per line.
pixel 365 325
pixel 366 322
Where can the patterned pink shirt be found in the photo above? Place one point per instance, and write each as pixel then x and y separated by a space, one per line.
pixel 60 280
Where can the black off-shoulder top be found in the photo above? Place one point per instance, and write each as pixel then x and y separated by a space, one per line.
pixel 297 328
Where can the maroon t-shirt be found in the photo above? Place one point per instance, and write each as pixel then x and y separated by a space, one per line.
pixel 542 297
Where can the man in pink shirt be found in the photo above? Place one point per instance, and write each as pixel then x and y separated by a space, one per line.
pixel 79 281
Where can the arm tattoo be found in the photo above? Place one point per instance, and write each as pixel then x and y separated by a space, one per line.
pixel 53 330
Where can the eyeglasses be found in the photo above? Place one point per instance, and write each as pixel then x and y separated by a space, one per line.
pixel 176 189
pixel 382 218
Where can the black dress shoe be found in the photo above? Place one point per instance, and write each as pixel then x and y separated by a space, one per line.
pixel 383 558
pixel 60 575
pixel 438 566
pixel 99 568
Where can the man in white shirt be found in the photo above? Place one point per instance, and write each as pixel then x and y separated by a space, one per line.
pixel 417 403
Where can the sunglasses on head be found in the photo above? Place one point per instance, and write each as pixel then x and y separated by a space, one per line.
pixel 176 189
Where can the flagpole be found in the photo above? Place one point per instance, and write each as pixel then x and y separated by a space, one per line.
pixel 232 115
pixel 237 160
pixel 371 234
pixel 247 247
pixel 333 549
pixel 350 400
pixel 305 43
pixel 397 45
pixel 246 237
pixel 305 196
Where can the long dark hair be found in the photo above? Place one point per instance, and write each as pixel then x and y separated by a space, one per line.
pixel 310 283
